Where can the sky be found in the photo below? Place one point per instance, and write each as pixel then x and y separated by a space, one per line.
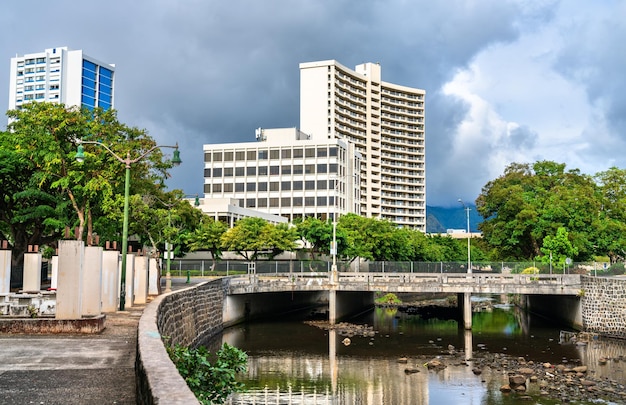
pixel 506 81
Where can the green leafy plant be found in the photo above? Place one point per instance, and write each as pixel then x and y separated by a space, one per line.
pixel 388 299
pixel 212 383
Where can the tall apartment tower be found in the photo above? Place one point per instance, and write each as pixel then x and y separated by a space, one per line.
pixel 61 75
pixel 384 121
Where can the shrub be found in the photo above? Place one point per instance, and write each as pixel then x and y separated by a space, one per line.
pixel 388 299
pixel 211 383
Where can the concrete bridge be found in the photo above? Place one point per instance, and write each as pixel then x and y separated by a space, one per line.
pixel 472 283
pixel 346 292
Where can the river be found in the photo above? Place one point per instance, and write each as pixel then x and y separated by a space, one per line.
pixel 292 362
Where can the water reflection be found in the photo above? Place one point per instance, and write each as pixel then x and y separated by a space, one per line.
pixel 294 363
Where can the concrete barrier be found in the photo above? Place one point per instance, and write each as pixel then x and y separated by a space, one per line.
pixel 186 317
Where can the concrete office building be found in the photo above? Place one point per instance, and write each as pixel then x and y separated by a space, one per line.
pixel 284 173
pixel 384 121
pixel 61 75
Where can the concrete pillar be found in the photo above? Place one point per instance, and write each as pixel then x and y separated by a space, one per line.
pixel 110 287
pixel 153 277
pixel 54 275
pixel 5 271
pixel 141 280
pixel 467 311
pixel 469 348
pixel 332 306
pixel 32 272
pixel 70 280
pixel 130 280
pixel 92 280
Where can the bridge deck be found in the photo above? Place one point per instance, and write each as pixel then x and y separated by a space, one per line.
pixel 475 283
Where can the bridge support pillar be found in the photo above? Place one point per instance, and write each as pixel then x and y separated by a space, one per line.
pixel 332 306
pixel 467 311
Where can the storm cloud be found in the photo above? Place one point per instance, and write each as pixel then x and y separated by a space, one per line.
pixel 506 81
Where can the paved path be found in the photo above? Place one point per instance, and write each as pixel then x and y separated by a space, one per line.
pixel 74 369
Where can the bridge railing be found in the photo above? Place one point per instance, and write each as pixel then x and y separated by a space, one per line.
pixel 233 267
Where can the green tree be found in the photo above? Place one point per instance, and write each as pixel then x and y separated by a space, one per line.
pixel 529 202
pixel 316 234
pixel 29 214
pixel 208 237
pixel 253 237
pixel 557 248
pixel 47 135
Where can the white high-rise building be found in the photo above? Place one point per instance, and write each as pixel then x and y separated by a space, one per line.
pixel 384 121
pixel 61 75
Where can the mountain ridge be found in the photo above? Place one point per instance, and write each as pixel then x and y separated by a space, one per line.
pixel 440 219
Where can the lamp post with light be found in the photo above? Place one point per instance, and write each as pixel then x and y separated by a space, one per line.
pixel 127 162
pixel 469 254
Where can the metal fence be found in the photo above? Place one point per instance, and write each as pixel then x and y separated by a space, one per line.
pixel 182 267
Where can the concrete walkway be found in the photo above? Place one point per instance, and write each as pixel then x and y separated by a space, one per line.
pixel 75 369
pixel 72 369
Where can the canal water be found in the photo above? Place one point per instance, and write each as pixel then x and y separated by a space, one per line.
pixel 293 362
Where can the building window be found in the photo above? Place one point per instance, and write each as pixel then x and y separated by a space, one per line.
pixel 297 201
pixel 285 202
pixel 309 201
pixel 309 152
pixel 321 184
pixel 285 185
pixel 297 153
pixel 297 169
pixel 207 188
pixel 273 202
pixel 322 168
pixel 207 172
pixel 274 186
pixel 251 171
pixel 228 172
pixel 217 188
pixel 274 170
pixel 263 171
pixel 309 185
pixel 251 155
pixel 333 167
pixel 238 187
pixel 217 156
pixel 274 154
pixel 228 188
pixel 286 153
pixel 297 185
pixel 251 186
pixel 228 156
pixel 250 203
pixel 262 155
pixel 321 201
pixel 240 156
pixel 262 203
pixel 239 171
pixel 333 151
pixel 263 186
pixel 309 169
pixel 286 169
pixel 217 172
pixel 207 156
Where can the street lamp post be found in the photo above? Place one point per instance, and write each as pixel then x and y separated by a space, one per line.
pixel 469 254
pixel 127 162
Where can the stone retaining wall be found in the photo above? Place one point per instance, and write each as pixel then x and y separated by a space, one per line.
pixel 183 317
pixel 604 305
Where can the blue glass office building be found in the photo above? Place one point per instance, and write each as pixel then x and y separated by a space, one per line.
pixel 64 76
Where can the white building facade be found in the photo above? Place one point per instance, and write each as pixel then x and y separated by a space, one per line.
pixel 61 75
pixel 385 123
pixel 284 173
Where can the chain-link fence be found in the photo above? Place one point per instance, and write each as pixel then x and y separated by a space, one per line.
pixel 182 267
